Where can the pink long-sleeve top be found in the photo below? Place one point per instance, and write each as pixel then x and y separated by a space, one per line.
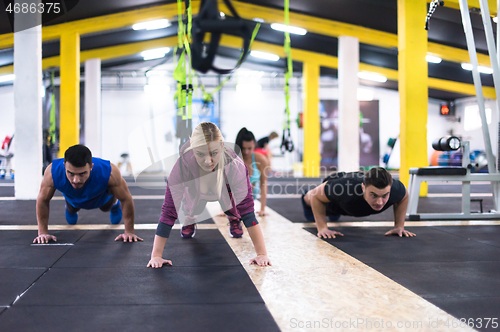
pixel 183 185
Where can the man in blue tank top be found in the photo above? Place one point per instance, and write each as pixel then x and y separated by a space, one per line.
pixel 86 183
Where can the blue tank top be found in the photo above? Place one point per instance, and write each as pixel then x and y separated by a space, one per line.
pixel 94 192
pixel 256 173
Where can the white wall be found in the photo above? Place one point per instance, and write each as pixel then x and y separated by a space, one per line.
pixel 125 112
pixel 476 136
pixel 261 113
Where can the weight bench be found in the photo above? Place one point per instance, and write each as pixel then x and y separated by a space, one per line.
pixel 459 174
pixel 446 174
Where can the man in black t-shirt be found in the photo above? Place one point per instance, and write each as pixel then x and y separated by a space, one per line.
pixel 356 194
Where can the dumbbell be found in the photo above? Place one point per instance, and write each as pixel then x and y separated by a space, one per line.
pixel 450 143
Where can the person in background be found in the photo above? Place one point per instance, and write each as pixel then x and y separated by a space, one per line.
pixel 257 165
pixel 263 146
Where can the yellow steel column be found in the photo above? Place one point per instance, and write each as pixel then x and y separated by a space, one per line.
pixel 312 158
pixel 413 86
pixel 69 126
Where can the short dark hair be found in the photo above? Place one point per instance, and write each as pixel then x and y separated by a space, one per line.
pixel 78 155
pixel 378 177
pixel 244 135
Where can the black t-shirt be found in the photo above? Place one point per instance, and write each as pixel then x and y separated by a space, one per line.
pixel 346 196
pixel 263 141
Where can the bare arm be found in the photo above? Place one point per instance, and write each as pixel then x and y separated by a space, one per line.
pixel 400 211
pixel 263 166
pixel 46 193
pixel 119 188
pixel 257 237
pixel 157 260
pixel 318 205
pixel 399 218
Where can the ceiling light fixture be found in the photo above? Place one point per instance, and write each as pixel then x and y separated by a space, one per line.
pixel 152 25
pixel 433 59
pixel 155 53
pixel 372 77
pixel 265 55
pixel 481 69
pixel 7 78
pixel 485 70
pixel 288 28
pixel 466 66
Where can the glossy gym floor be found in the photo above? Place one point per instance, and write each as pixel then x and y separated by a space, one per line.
pixel 362 281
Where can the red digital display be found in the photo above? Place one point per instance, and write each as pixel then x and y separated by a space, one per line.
pixel 445 110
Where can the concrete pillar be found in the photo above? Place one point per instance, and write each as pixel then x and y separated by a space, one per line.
pixel 93 106
pixel 312 157
pixel 28 138
pixel 348 155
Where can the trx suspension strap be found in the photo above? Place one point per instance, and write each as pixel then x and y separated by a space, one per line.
pixel 183 96
pixel 432 7
pixel 52 116
pixel 286 140
pixel 193 57
pixel 209 20
pixel 184 92
pixel 208 96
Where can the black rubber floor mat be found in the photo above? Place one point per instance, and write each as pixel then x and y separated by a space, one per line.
pixel 19 237
pixel 101 285
pixel 138 254
pixel 129 285
pixel 24 213
pixel 14 281
pixel 247 317
pixel 36 256
pixel 291 208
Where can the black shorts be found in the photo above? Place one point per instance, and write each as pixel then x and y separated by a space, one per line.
pixel 105 208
